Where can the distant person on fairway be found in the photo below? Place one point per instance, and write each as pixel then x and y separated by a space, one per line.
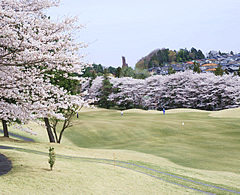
pixel 121 113
pixel 163 111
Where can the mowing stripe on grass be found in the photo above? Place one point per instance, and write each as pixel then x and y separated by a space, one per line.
pixel 147 168
pixel 147 175
pixel 109 160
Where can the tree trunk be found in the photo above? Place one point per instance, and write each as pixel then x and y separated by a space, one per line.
pixel 49 130
pixel 5 128
pixel 61 133
pixel 60 136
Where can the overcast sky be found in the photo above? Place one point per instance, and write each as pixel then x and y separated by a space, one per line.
pixel 134 28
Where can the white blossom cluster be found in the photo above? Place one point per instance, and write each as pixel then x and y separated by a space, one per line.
pixel 128 91
pixel 180 90
pixel 31 45
pixel 192 90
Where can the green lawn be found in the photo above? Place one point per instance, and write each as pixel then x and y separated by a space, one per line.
pixel 203 142
pixel 205 149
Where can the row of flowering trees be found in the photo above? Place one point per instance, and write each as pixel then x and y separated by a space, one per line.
pixel 180 90
pixel 34 50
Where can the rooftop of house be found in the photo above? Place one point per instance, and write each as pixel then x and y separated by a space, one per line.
pixel 211 59
pixel 235 68
pixel 210 69
pixel 210 64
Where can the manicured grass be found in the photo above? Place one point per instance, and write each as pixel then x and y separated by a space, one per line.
pixel 203 142
pixel 205 149
pixel 31 174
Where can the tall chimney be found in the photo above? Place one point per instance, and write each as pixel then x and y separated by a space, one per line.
pixel 124 64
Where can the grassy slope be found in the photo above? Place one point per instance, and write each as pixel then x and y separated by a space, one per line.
pixel 31 175
pixel 204 149
pixel 203 142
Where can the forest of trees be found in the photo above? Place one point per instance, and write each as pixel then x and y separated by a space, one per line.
pixel 159 58
pixel 181 90
pixel 98 70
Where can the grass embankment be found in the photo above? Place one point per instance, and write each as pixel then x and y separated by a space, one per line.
pixel 31 173
pixel 204 149
pixel 203 142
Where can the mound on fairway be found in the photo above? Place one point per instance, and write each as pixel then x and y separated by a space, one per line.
pixel 205 149
pixel 203 142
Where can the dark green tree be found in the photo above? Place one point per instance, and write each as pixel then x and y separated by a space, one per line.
pixel 196 67
pixel 200 55
pixel 127 72
pixel 219 70
pixel 141 74
pixel 98 68
pixel 118 72
pixel 193 53
pixel 87 72
pixel 72 86
pixel 150 65
pixel 93 75
pixel 171 70
pixel 112 70
pixel 106 90
pixel 163 56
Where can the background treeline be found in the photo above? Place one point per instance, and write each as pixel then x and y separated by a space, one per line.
pixel 181 90
pixel 160 57
pixel 98 70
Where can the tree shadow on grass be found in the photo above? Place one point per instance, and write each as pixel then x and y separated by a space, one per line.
pixel 5 165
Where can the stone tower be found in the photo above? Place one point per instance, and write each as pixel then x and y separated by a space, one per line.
pixel 124 64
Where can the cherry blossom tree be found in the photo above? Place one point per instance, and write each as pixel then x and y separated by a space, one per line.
pixel 32 46
pixel 128 92
pixel 181 90
pixel 189 90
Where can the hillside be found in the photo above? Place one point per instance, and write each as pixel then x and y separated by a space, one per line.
pixel 159 57
pixel 185 151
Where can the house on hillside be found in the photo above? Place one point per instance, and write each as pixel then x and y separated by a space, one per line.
pixel 164 70
pixel 210 67
pixel 154 70
pixel 189 63
pixel 211 61
pixel 233 69
pixel 178 68
pixel 210 70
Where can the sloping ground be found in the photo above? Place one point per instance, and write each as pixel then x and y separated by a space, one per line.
pixel 85 171
pixel 228 113
pixel 31 174
pixel 19 136
pixel 191 138
pixel 205 149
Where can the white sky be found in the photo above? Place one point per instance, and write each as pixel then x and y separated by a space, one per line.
pixel 134 28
